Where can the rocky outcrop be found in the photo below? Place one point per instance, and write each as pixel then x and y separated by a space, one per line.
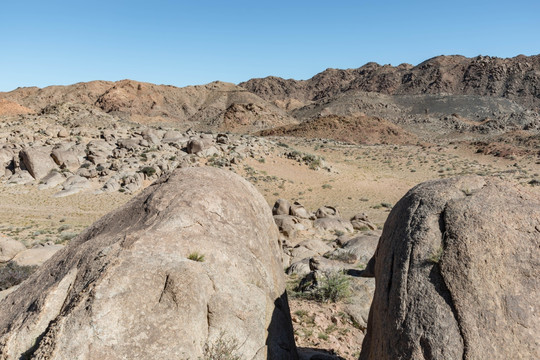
pixel 193 257
pixel 457 274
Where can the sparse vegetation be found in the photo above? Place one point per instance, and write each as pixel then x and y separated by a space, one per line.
pixel 195 256
pixel 332 287
pixel 436 255
pixel 223 348
pixel 148 171
pixel 12 274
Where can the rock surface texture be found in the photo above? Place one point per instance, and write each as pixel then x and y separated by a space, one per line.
pixel 125 288
pixel 457 274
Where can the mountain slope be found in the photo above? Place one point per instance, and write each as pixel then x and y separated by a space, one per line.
pixel 515 78
pixel 218 105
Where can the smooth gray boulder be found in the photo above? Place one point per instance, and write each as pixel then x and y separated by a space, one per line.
pixel 53 179
pixel 66 159
pixel 36 255
pixel 457 274
pixel 73 184
pixel 130 286
pixel 333 224
pixel 199 144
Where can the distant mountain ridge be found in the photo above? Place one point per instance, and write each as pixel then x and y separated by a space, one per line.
pixel 517 79
pixel 442 95
pixel 217 105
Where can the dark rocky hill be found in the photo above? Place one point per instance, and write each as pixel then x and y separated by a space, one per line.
pixel 515 78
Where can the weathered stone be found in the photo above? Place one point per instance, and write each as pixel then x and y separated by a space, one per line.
pixel 36 255
pixel 361 222
pixel 21 177
pixel 126 289
pixel 298 210
pixel 37 161
pixel 286 224
pixel 357 307
pixel 281 207
pixel 54 178
pixel 73 185
pixel 9 248
pixel 333 224
pixel 363 246
pixel 300 268
pixel 197 145
pixel 457 274
pixel 62 133
pixel 317 245
pixel 327 212
pixel 66 159
pixel 152 136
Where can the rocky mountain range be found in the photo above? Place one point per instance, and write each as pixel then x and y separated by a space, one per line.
pixel 516 79
pixel 445 94
pixel 216 105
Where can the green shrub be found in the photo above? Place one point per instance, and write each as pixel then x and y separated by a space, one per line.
pixel 195 256
pixel 332 287
pixel 323 336
pixel 222 348
pixel 148 171
pixel 436 255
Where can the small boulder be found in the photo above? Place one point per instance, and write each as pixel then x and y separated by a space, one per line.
pixel 333 224
pixel 73 185
pixel 298 210
pixel 53 179
pixel 199 144
pixel 9 248
pixel 361 222
pixel 66 159
pixel 36 255
pixel 327 212
pixel 281 207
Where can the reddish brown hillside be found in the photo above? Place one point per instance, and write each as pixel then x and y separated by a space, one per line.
pixel 357 130
pixel 196 106
pixel 12 108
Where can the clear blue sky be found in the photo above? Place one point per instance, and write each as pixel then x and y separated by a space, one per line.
pixel 195 42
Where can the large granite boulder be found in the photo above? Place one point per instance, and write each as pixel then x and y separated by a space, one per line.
pixel 192 260
pixel 457 274
pixel 38 161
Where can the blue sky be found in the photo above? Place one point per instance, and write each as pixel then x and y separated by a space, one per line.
pixel 187 43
